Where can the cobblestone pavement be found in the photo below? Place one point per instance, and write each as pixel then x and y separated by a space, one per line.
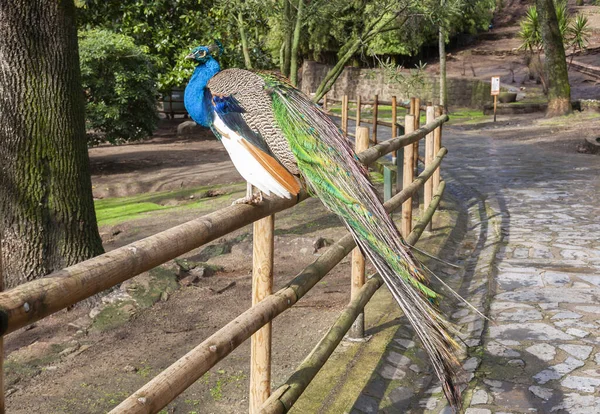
pixel 541 351
pixel 535 216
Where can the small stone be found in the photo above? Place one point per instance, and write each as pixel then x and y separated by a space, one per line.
pixel 391 372
pixel 471 364
pixel 415 368
pixel 479 397
pixel 69 350
pixel 577 332
pixel 400 397
pixel 496 349
pixel 461 313
pixel 164 296
pixel 129 368
pixel 578 351
pixel 549 305
pixel 51 368
pixel 544 352
pixel 429 403
pixel 597 358
pixel 541 392
pixel 516 363
pixel 212 348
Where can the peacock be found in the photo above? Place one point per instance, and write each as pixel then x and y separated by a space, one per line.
pixel 281 142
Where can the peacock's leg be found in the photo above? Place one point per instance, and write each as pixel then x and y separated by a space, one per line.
pixel 250 198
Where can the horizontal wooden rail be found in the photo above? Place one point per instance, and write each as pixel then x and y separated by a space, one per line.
pixel 405 104
pixel 286 395
pixel 377 151
pixel 167 385
pixel 39 298
pixel 365 120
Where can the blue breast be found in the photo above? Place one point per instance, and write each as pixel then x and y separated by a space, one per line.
pixel 197 98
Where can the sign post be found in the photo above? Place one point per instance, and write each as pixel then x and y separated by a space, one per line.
pixel 495 92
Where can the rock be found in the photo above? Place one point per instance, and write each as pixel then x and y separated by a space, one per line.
pixel 405 343
pixel 129 368
pixel 322 242
pixel 544 352
pixel 529 332
pixel 391 372
pixel 471 364
pixel 189 280
pixel 68 350
pixel 164 296
pixel 567 315
pixel 541 392
pixel 516 363
pixel 496 349
pixel 187 128
pixel 478 411
pixel 397 359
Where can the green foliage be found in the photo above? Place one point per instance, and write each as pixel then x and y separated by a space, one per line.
pixel 118 78
pixel 170 29
pixel 574 31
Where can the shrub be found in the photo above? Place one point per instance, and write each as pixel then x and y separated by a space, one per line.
pixel 118 79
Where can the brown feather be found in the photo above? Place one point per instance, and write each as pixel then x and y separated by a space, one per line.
pixel 277 171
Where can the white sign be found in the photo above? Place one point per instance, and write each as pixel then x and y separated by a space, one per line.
pixel 495 85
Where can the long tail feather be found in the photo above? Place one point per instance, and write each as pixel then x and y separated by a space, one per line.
pixel 329 165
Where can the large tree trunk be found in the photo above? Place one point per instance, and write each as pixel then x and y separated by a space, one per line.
pixel 48 219
pixel 557 77
pixel 287 37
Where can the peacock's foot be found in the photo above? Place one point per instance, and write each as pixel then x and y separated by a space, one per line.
pixel 252 200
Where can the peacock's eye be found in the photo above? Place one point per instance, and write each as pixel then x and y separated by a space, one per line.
pixel 201 53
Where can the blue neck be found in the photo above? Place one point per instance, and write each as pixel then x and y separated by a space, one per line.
pixel 196 101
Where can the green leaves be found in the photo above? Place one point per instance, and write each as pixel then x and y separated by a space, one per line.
pixel 119 82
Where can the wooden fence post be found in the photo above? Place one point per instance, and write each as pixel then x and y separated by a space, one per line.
pixel 437 144
pixel 358 105
pixel 394 128
pixel 358 260
pixel 262 286
pixel 407 177
pixel 417 114
pixel 375 112
pixel 429 154
pixel 345 115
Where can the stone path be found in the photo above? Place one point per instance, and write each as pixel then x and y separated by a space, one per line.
pixel 541 352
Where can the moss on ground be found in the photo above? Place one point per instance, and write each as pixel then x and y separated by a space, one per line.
pixel 111 211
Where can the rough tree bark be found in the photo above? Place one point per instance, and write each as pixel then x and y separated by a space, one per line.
pixel 287 37
pixel 557 76
pixel 48 219
pixel 442 47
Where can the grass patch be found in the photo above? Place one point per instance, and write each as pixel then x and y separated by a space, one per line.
pixel 116 210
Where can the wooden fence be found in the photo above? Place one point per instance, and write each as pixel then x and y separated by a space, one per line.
pixel 37 299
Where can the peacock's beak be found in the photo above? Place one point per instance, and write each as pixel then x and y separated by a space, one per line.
pixel 191 56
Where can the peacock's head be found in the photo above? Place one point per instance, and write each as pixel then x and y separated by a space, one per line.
pixel 203 54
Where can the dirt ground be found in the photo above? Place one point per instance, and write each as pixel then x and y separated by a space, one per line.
pixel 69 364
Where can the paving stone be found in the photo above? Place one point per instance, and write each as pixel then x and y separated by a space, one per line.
pixel 597 358
pixel 391 372
pixel 497 349
pixel 528 332
pixel 461 313
pixel 512 281
pixel 558 371
pixel 577 332
pixel 567 315
pixel 479 397
pixel 516 363
pixel 400 397
pixel 493 383
pixel 578 351
pixel 581 296
pixel 549 305
pixel 501 306
pixel 520 316
pixel 471 364
pixel 541 392
pixel 584 384
pixel 429 403
pixel 478 411
pixel 556 279
pixel 593 279
pixel 398 359
pixel 366 404
pixel 406 343
pixel 588 309
pixel 574 403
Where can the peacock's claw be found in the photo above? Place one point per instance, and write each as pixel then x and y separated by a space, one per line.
pixel 252 200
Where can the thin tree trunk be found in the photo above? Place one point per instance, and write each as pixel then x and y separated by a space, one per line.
pixel 48 219
pixel 351 47
pixel 244 39
pixel 443 88
pixel 557 77
pixel 295 43
pixel 287 37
